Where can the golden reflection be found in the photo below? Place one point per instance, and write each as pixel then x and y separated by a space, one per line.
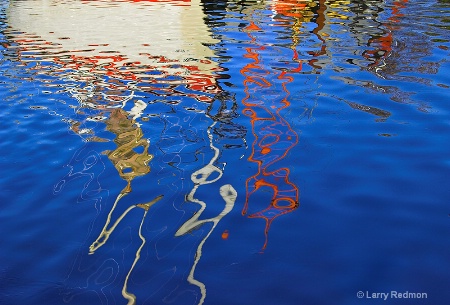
pixel 126 160
pixel 130 165
pixel 338 9
pixel 274 138
pixel 228 194
pixel 112 68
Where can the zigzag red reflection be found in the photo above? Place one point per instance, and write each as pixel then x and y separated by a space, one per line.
pixel 274 137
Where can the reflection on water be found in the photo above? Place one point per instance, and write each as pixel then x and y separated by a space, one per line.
pixel 130 165
pixel 274 137
pixel 152 55
pixel 228 194
pixel 161 95
pixel 108 71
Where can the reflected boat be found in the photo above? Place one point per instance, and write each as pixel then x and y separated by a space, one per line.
pixel 130 52
pixel 133 29
pixel 150 151
pixel 130 40
pixel 130 165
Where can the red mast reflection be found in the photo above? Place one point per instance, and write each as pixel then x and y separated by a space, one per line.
pixel 274 138
pixel 383 45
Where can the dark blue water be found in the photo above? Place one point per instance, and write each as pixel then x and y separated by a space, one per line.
pixel 225 153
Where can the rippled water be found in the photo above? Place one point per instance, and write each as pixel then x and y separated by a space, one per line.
pixel 224 152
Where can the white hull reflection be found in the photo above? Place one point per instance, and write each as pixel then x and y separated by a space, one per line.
pixel 136 30
pixel 138 45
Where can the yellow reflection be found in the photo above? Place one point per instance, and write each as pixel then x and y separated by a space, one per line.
pixel 158 48
pixel 130 165
pixel 127 161
pixel 338 9
pixel 228 194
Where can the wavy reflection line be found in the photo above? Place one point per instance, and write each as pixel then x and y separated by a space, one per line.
pixel 301 13
pixel 146 71
pixel 228 194
pixel 150 76
pixel 274 138
pixel 129 164
pixel 125 159
pixel 382 43
pixel 104 235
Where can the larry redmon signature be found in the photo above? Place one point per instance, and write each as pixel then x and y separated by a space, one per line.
pixel 391 295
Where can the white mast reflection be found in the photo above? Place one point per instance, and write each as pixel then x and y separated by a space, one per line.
pixel 228 194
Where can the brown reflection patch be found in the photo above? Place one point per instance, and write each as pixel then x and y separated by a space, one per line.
pixel 130 165
pixel 126 160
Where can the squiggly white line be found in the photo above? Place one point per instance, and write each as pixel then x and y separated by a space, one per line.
pixel 228 194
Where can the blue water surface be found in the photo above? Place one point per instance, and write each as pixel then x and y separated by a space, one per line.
pixel 262 152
